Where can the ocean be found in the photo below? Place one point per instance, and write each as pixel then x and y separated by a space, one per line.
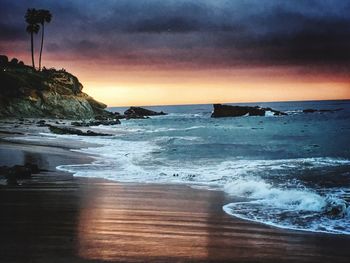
pixel 290 171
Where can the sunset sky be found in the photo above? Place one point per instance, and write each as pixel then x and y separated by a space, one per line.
pixel 156 52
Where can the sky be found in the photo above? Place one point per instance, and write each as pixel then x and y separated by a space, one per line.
pixel 158 52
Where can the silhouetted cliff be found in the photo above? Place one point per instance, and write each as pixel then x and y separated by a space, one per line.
pixel 49 93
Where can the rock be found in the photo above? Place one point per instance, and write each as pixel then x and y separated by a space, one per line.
pixel 119 116
pixel 50 93
pixel 92 133
pixel 41 123
pixel 95 123
pixel 79 124
pixel 72 131
pixel 237 111
pixel 315 110
pixel 140 113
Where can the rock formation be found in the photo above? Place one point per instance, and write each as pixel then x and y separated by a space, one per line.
pixel 50 93
pixel 94 123
pixel 67 130
pixel 237 111
pixel 140 113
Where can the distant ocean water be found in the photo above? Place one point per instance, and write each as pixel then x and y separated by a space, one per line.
pixel 287 171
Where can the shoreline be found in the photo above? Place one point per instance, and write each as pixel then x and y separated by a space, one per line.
pixel 56 217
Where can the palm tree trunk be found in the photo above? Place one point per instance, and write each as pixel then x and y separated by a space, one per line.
pixel 32 48
pixel 42 44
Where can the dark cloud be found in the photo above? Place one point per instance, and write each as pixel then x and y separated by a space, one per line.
pixel 165 24
pixel 204 33
pixel 11 32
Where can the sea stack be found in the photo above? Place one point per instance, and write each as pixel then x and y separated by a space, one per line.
pixel 221 111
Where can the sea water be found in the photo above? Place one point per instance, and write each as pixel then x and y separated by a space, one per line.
pixel 287 171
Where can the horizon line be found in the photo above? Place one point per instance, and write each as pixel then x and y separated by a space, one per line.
pixel 187 104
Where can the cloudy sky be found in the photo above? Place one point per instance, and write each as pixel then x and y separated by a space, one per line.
pixel 145 52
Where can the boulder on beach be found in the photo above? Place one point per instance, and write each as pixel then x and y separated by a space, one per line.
pixel 140 113
pixel 237 111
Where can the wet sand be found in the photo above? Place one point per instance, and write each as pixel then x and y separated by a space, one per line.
pixel 55 217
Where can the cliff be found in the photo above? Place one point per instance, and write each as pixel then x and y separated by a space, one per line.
pixel 50 93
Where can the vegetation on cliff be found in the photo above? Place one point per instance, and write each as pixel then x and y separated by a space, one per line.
pixel 50 93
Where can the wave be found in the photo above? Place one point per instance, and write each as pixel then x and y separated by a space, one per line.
pixel 287 203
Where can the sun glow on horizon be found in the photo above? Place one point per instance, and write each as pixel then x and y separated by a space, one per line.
pixel 154 95
pixel 178 87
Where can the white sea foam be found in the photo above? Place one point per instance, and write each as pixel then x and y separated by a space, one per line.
pixel 174 129
pixel 279 205
pixel 269 114
pixel 278 198
pixel 125 158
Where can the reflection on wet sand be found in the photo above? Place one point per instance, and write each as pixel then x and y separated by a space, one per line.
pixel 122 222
pixel 55 218
pixel 176 223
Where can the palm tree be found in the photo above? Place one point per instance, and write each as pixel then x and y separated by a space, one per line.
pixel 44 16
pixel 31 18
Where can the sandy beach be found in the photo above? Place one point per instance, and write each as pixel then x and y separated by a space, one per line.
pixel 175 131
pixel 55 217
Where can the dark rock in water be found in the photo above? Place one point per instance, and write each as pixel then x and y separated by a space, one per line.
pixel 237 111
pixel 119 116
pixel 79 124
pixel 92 133
pixel 95 123
pixel 72 131
pixel 104 122
pixel 315 110
pixel 41 123
pixel 140 113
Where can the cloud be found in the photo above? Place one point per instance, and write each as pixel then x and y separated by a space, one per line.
pixel 11 32
pixel 197 34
